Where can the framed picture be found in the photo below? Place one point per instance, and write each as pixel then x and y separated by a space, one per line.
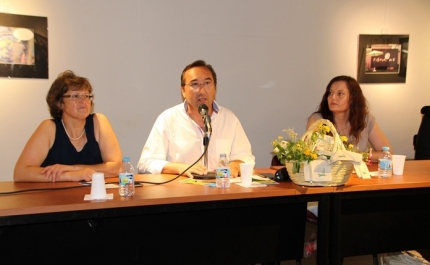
pixel 382 58
pixel 23 46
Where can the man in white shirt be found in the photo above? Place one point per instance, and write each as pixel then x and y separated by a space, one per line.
pixel 176 139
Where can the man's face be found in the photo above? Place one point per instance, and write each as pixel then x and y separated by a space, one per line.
pixel 199 87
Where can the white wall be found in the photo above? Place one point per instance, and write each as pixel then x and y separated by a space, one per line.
pixel 273 59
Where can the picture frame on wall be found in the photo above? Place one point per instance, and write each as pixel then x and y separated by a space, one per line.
pixel 23 46
pixel 382 58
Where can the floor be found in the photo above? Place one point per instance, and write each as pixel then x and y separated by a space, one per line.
pixel 357 260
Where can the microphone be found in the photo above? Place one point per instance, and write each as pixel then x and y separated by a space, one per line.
pixel 203 110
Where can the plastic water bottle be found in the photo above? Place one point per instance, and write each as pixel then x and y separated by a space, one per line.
pixel 222 172
pixel 385 166
pixel 126 178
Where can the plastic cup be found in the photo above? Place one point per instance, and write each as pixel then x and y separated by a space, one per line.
pixel 246 170
pixel 98 188
pixel 398 164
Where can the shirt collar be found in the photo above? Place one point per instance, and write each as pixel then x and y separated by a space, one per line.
pixel 215 106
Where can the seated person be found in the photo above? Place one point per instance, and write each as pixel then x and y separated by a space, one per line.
pixel 176 139
pixel 344 104
pixel 74 144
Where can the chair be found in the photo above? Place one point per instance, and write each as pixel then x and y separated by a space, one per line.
pixel 276 162
pixel 422 139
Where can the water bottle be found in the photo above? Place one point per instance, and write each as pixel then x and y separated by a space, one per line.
pixel 222 172
pixel 385 166
pixel 126 178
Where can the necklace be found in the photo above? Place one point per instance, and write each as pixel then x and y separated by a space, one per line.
pixel 342 129
pixel 71 138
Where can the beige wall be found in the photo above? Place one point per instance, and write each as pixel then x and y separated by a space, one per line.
pixel 273 60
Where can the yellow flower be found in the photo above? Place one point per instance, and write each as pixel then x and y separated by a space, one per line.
pixel 350 146
pixel 343 138
pixel 293 148
pixel 326 129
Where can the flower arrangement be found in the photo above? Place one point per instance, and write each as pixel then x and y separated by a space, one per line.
pixel 296 149
pixel 350 147
pixel 314 144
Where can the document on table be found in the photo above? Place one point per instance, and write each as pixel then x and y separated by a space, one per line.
pixel 258 181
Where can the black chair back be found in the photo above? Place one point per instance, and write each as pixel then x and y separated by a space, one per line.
pixel 422 139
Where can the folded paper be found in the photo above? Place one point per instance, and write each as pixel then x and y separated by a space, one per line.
pixel 361 170
pixel 318 170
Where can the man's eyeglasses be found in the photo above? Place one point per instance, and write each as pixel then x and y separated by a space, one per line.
pixel 196 85
pixel 78 97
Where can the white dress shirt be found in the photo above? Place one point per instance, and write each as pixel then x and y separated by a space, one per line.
pixel 175 137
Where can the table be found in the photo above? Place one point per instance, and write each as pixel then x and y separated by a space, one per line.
pixel 381 215
pixel 174 223
pixel 180 223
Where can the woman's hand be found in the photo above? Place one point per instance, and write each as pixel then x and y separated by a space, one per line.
pixel 85 174
pixel 54 172
pixel 71 173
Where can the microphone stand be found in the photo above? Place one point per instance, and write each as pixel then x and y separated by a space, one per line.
pixel 206 138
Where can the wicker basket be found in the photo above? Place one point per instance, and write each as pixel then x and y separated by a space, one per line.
pixel 340 170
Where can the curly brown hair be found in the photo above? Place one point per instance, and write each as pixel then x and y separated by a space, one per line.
pixel 65 81
pixel 358 109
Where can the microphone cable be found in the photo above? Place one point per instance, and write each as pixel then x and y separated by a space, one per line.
pixel 86 184
pixel 83 185
pixel 206 145
pixel 41 189
pixel 206 140
pixel 170 180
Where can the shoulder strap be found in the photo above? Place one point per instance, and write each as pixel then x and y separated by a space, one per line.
pixel 89 128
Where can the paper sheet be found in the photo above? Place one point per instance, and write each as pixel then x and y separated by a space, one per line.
pixel 253 185
pixel 258 181
pixel 109 196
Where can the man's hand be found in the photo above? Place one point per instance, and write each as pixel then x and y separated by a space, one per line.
pixel 234 168
pixel 178 168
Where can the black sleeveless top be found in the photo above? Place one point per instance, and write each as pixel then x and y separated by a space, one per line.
pixel 63 151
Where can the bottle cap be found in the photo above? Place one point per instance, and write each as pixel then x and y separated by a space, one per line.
pixel 385 148
pixel 126 159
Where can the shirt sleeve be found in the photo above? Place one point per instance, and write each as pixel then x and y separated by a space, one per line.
pixel 241 147
pixel 154 153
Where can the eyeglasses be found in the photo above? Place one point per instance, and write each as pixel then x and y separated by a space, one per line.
pixel 196 85
pixel 78 97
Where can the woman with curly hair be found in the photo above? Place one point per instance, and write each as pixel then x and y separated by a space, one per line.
pixel 344 104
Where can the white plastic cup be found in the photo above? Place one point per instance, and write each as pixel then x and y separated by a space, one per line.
pixel 398 164
pixel 98 188
pixel 246 170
